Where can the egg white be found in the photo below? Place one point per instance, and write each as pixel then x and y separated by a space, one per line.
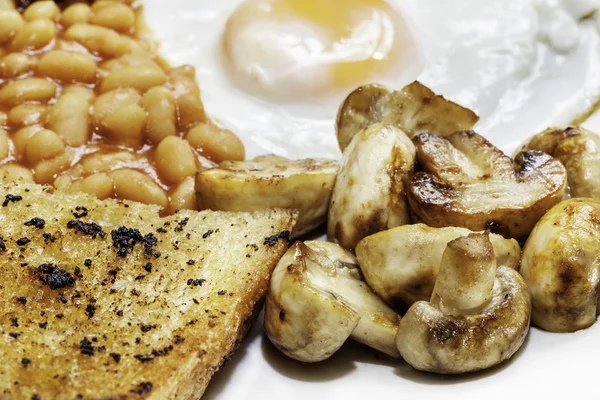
pixel 522 65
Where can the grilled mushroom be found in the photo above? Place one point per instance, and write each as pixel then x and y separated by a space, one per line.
pixel 369 192
pixel 561 265
pixel 579 151
pixel 478 315
pixel 270 182
pixel 468 182
pixel 317 299
pixel 402 264
pixel 414 109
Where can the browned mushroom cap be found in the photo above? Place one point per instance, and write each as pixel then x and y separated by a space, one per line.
pixel 478 315
pixel 317 299
pixel 579 151
pixel 414 109
pixel 561 265
pixel 401 264
pixel 468 182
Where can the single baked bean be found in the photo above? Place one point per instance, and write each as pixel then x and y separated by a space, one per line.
pixel 34 35
pixel 10 23
pixel 190 111
pixel 159 104
pixel 28 89
pixel 215 143
pixel 68 66
pixel 97 39
pixel 83 92
pixel 174 159
pixel 184 196
pixel 15 173
pixel 44 145
pixel 14 64
pixel 4 145
pixel 108 102
pixel 22 136
pixel 76 14
pixel 99 185
pixel 62 182
pixel 183 81
pixel 141 77
pixel 27 114
pixel 113 15
pixel 133 185
pixel 103 162
pixel 46 171
pixel 42 10
pixel 69 117
pixel 125 126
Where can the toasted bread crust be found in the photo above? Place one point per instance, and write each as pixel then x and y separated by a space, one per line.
pixel 103 312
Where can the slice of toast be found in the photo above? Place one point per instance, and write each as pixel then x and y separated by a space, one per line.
pixel 106 300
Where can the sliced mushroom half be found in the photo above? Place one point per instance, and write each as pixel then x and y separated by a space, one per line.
pixel 478 315
pixel 561 265
pixel 414 109
pixel 467 182
pixel 270 182
pixel 317 299
pixel 579 151
pixel 369 194
pixel 401 265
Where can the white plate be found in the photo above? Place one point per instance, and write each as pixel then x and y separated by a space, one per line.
pixel 548 366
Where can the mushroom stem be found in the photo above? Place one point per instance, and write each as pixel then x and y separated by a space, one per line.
pixel 466 278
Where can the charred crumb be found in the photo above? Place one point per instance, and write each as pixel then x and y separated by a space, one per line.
pixel 126 238
pixel 87 262
pixel 155 353
pixel 142 389
pixel 120 313
pixel 140 277
pixel 282 315
pixel 272 240
pixel 49 237
pixel 35 395
pixel 222 292
pixel 195 301
pixel 22 299
pixel 207 233
pixel 253 245
pixel 86 347
pixel 181 224
pixel 116 357
pixel 11 198
pixel 14 321
pixel 87 228
pixel 77 272
pixel 161 230
pixel 55 277
pixel 14 335
pixel 178 339
pixel 24 264
pixel 80 212
pixel 190 262
pixel 147 328
pixel 36 222
pixel 43 325
pixel 25 362
pixel 195 282
pixel 148 267
pixel 60 316
pixel 2 244
pixel 138 340
pixel 90 310
pixel 23 241
pixel 135 292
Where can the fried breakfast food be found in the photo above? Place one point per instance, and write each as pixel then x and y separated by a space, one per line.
pixel 105 299
pixel 369 194
pixel 579 151
pixel 401 264
pixel 414 109
pixel 270 182
pixel 88 105
pixel 478 315
pixel 466 181
pixel 562 267
pixel 317 299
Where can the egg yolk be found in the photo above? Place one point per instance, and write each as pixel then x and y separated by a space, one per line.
pixel 297 49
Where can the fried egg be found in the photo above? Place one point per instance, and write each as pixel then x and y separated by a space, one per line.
pixel 275 71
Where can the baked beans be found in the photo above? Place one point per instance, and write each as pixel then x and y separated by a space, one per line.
pixel 86 104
